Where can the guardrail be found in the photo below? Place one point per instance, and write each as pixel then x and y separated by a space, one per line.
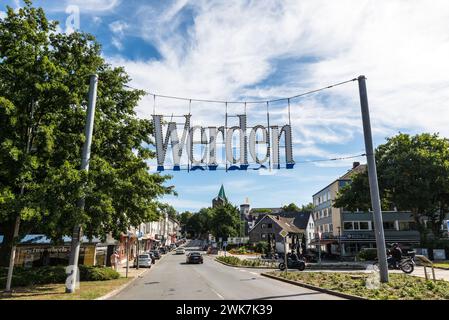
pixel 426 263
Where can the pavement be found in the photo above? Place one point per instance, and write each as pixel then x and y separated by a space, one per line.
pixel 171 279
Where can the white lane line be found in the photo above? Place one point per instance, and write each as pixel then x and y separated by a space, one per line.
pixel 254 273
pixel 219 295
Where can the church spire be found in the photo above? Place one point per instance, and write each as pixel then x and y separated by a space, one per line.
pixel 221 193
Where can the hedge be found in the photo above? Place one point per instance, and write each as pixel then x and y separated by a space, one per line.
pixel 55 274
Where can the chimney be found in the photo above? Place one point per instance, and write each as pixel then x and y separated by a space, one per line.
pixel 355 165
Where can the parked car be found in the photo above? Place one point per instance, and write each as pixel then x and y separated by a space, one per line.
pixel 162 250
pixel 172 246
pixel 144 260
pixel 180 251
pixel 194 257
pixel 156 253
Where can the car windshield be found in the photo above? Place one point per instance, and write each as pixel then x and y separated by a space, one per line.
pixel 144 256
pixel 195 254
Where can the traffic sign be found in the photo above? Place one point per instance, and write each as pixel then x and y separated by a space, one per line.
pixel 283 233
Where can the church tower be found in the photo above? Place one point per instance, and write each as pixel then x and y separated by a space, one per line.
pixel 220 199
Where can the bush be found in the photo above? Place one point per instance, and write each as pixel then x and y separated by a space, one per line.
pixel 55 274
pixel 239 262
pixel 367 254
pixel 262 247
pixel 89 273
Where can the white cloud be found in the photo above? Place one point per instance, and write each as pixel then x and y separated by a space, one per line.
pixel 118 27
pixel 401 46
pixel 2 14
pixel 95 6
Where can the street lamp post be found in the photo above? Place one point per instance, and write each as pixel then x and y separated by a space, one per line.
pixel 319 247
pixel 339 242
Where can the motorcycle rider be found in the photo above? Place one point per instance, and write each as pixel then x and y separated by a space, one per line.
pixel 396 255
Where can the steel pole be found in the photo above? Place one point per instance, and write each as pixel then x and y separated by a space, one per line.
pixel 373 184
pixel 285 254
pixel 77 230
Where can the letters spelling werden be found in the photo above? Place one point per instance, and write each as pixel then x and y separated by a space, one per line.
pixel 209 135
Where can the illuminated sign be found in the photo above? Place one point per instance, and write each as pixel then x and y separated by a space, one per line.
pixel 249 138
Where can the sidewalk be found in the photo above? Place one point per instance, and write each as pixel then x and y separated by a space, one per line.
pixel 132 272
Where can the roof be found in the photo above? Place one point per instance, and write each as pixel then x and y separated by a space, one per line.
pixel 345 177
pixel 42 239
pixel 286 223
pixel 221 193
pixel 301 219
pixel 283 222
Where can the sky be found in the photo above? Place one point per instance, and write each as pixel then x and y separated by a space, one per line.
pixel 237 50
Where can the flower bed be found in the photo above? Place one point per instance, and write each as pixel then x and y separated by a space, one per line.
pixel 399 287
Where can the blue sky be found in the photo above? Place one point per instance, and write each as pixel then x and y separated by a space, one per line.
pixel 252 50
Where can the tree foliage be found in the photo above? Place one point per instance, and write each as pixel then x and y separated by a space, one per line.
pixel 44 83
pixel 413 174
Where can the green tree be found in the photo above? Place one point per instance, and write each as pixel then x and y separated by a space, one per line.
pixel 200 223
pixel 225 221
pixel 413 173
pixel 308 208
pixel 44 78
pixel 291 208
pixel 184 218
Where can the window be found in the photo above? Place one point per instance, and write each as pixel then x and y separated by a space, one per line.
pixel 407 225
pixel 270 225
pixel 389 225
pixel 263 226
pixel 264 235
pixel 331 228
pixel 357 225
pixel 364 225
pixel 348 226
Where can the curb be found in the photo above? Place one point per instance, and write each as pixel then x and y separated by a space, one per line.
pixel 123 287
pixel 308 286
pixel 119 289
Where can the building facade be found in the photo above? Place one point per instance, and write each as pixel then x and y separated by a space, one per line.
pixel 268 229
pixel 345 233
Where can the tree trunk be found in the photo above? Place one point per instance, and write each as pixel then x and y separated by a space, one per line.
pixel 421 228
pixel 7 230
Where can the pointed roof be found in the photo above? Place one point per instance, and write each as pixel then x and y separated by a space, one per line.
pixel 221 193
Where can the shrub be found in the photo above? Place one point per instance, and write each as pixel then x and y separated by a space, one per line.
pixel 55 274
pixel 367 254
pixel 89 273
pixel 262 247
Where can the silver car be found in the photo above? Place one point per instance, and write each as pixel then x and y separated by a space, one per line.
pixel 144 261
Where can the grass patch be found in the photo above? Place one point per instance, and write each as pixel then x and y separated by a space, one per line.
pixel 442 265
pixel 88 290
pixel 399 287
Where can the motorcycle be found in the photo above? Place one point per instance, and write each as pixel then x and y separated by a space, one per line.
pixel 407 265
pixel 293 264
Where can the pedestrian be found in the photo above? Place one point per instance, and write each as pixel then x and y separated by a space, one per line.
pixel 114 260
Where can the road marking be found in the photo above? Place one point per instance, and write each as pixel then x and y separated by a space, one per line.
pixel 219 295
pixel 254 273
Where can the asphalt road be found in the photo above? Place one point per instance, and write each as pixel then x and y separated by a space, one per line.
pixel 172 279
